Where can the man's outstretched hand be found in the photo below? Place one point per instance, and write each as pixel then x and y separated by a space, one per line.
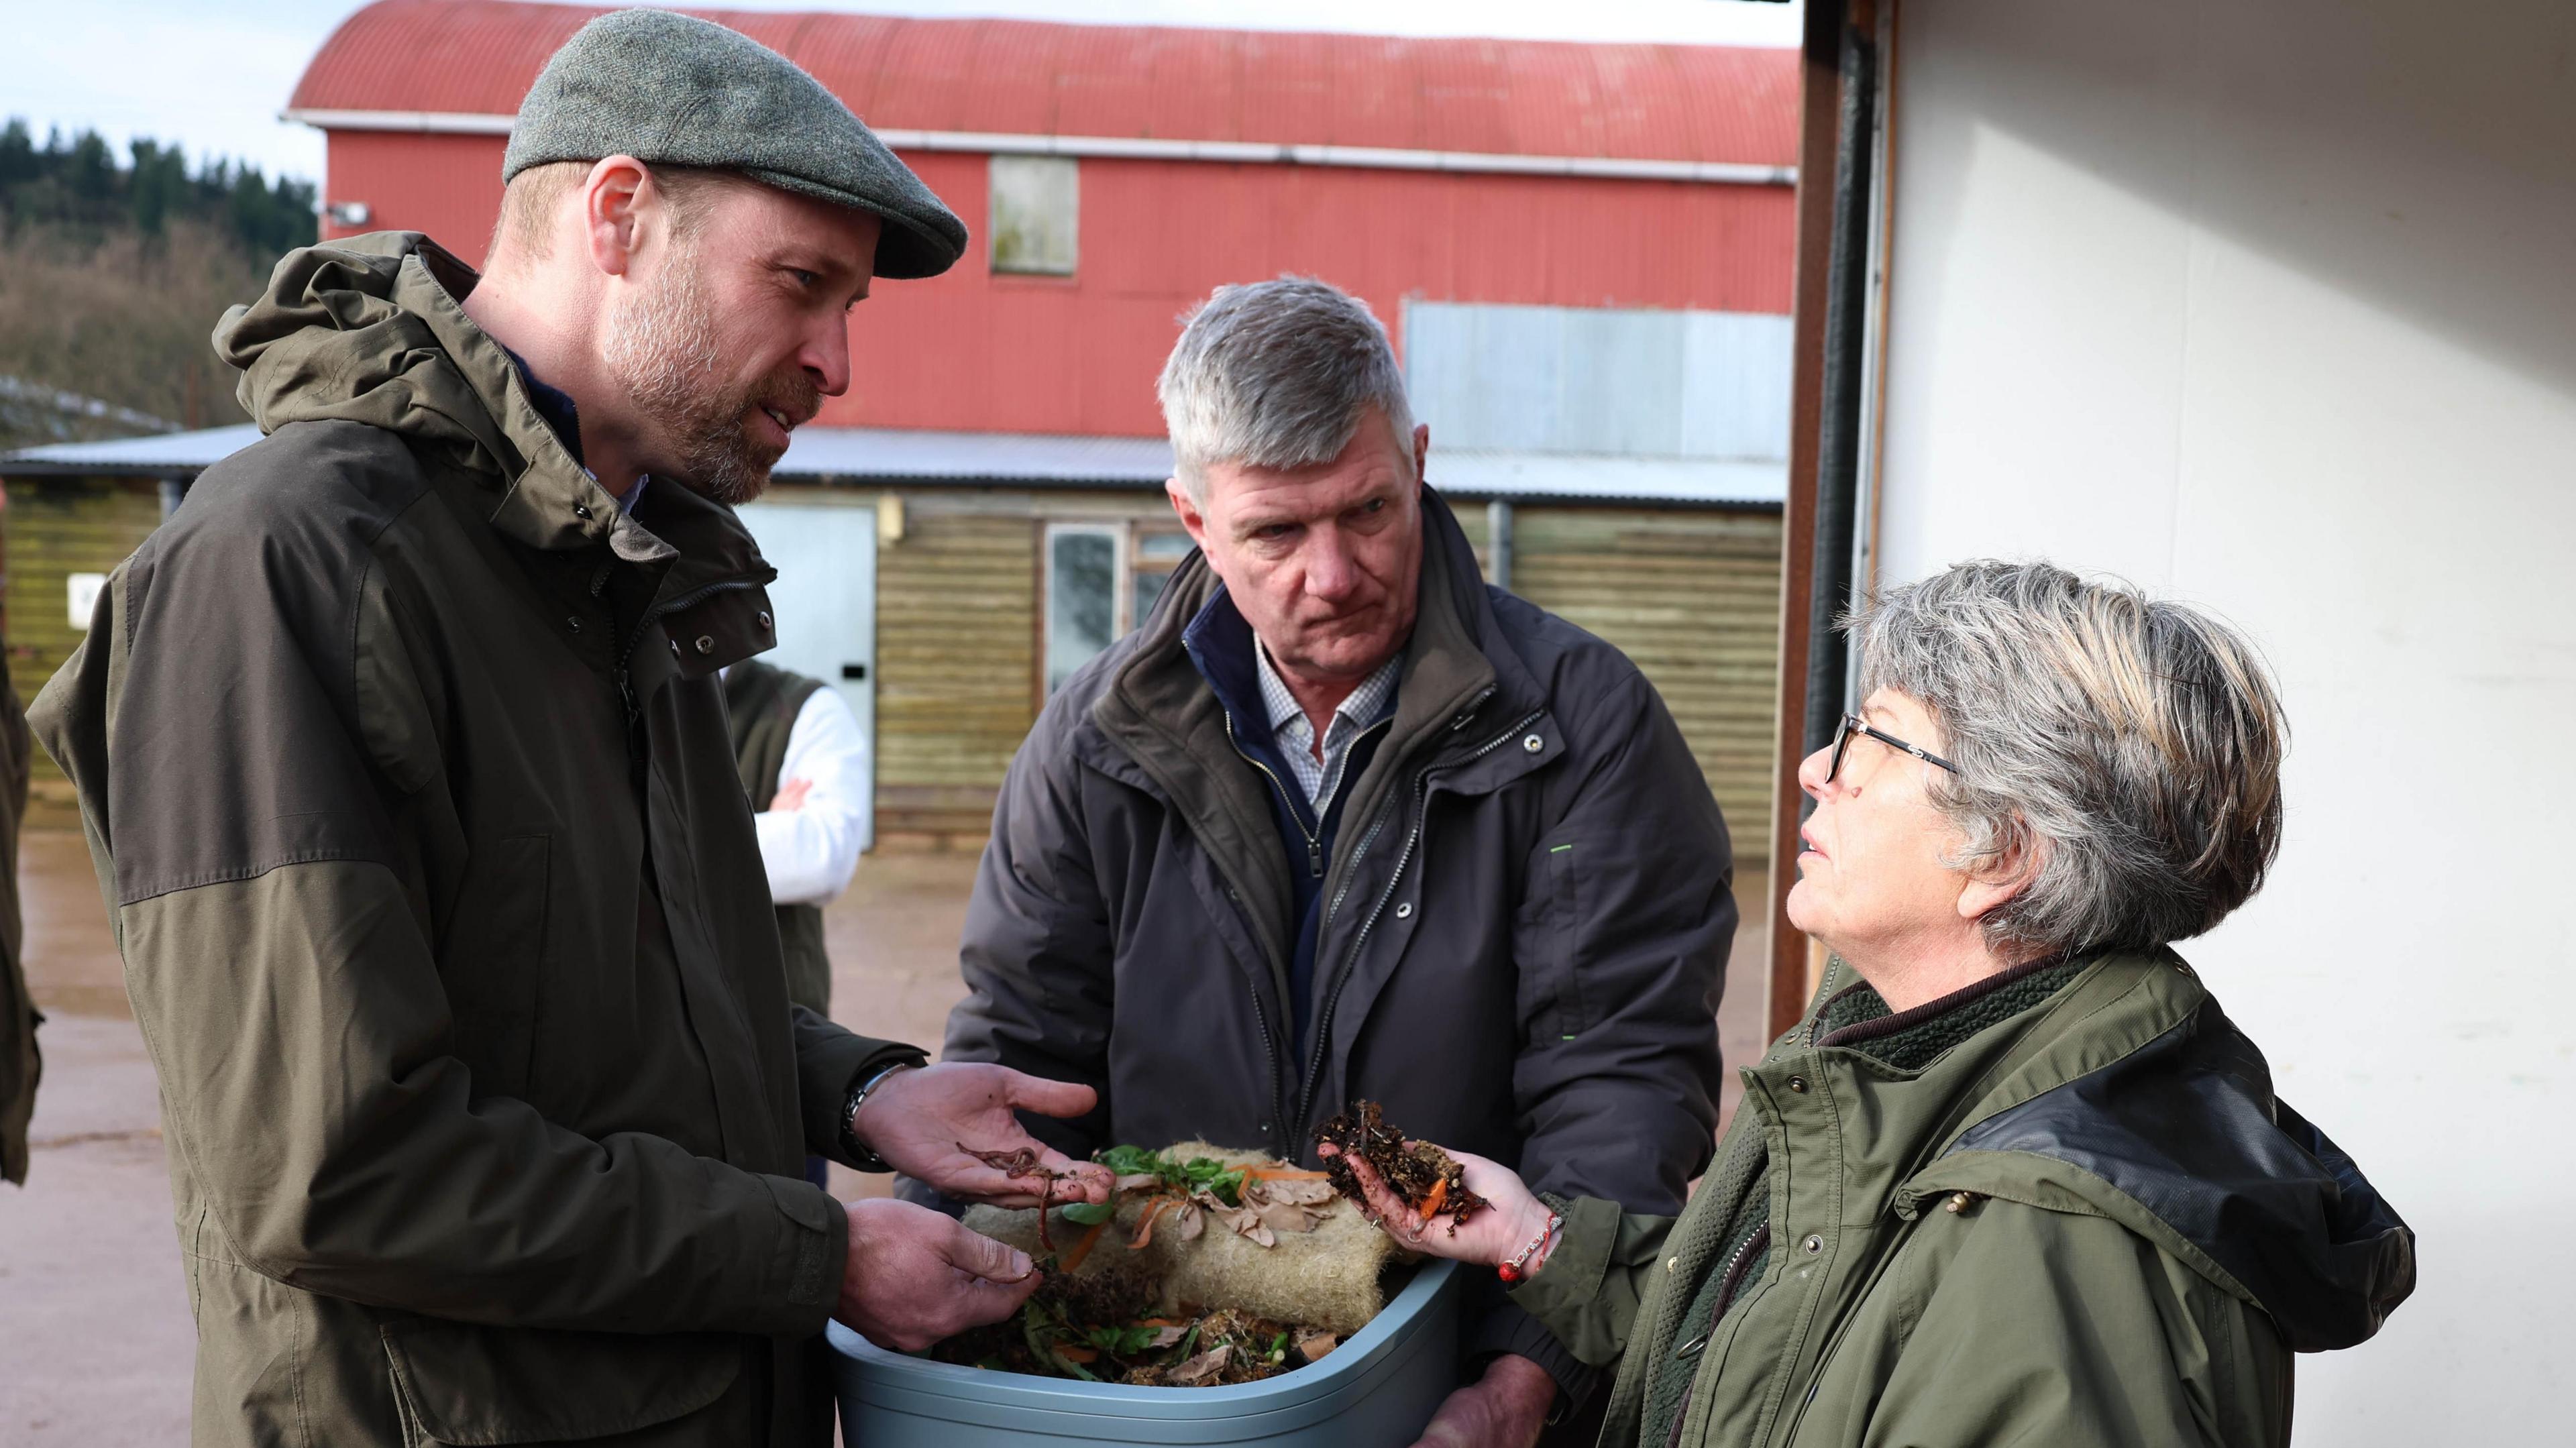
pixel 915 1277
pixel 929 1123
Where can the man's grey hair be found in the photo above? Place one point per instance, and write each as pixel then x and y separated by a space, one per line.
pixel 2129 746
pixel 1275 375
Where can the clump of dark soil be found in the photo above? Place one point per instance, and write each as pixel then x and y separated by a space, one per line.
pixel 1427 1179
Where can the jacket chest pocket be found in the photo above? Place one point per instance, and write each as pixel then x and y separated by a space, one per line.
pixel 498 949
pixel 1556 991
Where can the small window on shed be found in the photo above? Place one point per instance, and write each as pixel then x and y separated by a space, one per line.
pixel 1100 581
pixel 1081 589
pixel 1036 214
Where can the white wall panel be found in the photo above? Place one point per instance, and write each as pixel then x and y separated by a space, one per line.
pixel 1599 380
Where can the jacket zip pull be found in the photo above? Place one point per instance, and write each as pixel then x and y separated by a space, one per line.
pixel 636 766
pixel 1314 838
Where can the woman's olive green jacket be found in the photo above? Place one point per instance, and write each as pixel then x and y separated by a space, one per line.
pixel 2086 1222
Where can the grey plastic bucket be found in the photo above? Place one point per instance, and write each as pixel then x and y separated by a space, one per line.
pixel 1377 1390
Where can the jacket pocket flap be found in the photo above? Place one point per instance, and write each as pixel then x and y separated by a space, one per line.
pixel 470 1385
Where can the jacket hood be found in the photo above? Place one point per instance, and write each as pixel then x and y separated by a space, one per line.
pixel 2182 1140
pixel 371 329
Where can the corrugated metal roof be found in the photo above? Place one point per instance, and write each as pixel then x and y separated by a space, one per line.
pixel 167 454
pixel 1593 478
pixel 1015 457
pixel 1501 97
pixel 1038 460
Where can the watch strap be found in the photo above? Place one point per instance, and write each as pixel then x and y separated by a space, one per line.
pixel 861 1156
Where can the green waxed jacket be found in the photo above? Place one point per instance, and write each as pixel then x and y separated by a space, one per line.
pixel 404 764
pixel 2088 1223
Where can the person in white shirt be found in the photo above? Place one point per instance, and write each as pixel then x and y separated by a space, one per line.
pixel 803 763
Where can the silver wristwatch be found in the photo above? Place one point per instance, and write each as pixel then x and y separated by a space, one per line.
pixel 861 1155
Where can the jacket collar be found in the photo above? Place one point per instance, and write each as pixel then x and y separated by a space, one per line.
pixel 548 501
pixel 551 502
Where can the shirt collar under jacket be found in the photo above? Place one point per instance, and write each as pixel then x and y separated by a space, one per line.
pixel 1373 700
pixel 1294 733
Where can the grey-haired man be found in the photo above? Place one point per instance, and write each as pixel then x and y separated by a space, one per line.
pixel 1340 821
pixel 439 896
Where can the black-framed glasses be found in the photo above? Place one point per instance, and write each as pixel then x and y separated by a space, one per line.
pixel 1853 724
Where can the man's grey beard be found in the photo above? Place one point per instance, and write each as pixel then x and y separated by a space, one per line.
pixel 662 347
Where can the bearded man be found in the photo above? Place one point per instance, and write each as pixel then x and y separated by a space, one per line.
pixel 404 761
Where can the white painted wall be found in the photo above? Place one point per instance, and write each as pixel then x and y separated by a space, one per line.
pixel 2274 306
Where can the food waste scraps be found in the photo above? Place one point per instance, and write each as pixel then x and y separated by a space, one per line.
pixel 1104 1327
pixel 1428 1180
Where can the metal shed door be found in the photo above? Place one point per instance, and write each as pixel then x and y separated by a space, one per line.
pixel 825 600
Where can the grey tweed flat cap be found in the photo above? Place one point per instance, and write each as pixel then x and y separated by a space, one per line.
pixel 682 91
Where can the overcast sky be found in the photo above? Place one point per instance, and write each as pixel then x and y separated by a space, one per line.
pixel 212 75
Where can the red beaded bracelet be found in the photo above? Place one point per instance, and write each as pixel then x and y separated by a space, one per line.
pixel 1517 1269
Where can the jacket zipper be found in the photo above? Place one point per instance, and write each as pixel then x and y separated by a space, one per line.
pixel 1324 1021
pixel 1314 837
pixel 625 659
pixel 1333 907
pixel 1733 1281
pixel 1728 1285
pixel 1314 862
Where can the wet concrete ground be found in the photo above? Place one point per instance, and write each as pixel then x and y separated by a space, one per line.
pixel 95 1339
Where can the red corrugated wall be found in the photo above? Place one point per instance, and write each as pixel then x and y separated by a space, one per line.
pixel 1544 98
pixel 974 351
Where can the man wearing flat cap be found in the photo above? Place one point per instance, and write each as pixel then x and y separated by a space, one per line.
pixel 404 761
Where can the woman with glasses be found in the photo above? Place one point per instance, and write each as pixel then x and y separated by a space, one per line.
pixel 2015 1178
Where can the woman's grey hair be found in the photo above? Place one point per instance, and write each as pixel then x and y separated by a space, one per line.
pixel 2129 746
pixel 1276 375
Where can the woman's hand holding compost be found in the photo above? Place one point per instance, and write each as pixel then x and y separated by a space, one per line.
pixel 1486 1239
pixel 949 1125
pixel 914 1277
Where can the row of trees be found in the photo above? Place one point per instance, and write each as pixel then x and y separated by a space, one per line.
pixel 80 183
pixel 113 270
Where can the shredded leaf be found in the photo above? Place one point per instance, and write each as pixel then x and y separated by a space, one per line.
pixel 1199 1369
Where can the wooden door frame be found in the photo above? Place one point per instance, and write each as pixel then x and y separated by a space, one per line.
pixel 1827 199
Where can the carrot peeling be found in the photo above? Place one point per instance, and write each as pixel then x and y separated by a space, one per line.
pixel 1073 1257
pixel 1145 1224
pixel 1432 1199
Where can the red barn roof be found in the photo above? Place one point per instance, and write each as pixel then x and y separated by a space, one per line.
pixel 1510 98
